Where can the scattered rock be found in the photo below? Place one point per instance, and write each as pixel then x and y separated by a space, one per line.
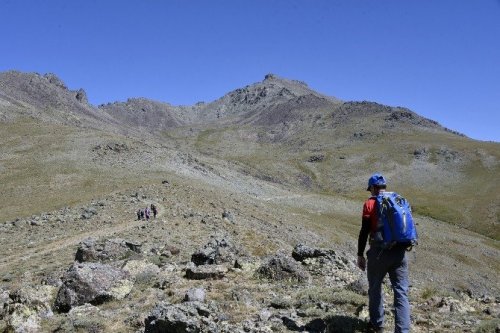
pixel 421 153
pixel 282 267
pixel 140 268
pixel 316 158
pixel 360 286
pixel 38 299
pixel 83 310
pixel 195 295
pixel 179 318
pixel 23 319
pixel 264 315
pixel 228 216
pixel 203 272
pixel 216 251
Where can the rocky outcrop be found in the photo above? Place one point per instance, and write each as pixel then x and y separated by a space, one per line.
pixel 283 267
pixel 81 96
pixel 93 283
pixel 93 250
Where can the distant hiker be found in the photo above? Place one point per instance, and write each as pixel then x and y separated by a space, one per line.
pixel 382 260
pixel 138 214
pixel 154 210
pixel 147 213
pixel 142 213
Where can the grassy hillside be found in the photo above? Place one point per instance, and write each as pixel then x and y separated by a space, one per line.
pixel 45 166
pixel 445 176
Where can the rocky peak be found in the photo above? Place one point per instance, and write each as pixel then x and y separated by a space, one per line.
pixel 81 96
pixel 269 76
pixel 55 80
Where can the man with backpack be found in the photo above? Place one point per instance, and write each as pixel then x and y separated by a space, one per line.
pixel 387 221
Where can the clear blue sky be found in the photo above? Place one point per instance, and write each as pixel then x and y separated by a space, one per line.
pixel 440 58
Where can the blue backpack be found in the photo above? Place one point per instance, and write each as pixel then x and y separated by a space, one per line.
pixel 395 222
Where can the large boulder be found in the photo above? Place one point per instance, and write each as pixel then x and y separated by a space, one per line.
pixel 189 317
pixel 93 283
pixel 217 251
pixel 283 267
pixel 93 250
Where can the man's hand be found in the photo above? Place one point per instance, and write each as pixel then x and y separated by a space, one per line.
pixel 361 263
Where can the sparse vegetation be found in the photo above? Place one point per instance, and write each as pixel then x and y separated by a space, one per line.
pixel 252 159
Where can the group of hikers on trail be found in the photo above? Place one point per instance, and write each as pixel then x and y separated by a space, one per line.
pixel 145 213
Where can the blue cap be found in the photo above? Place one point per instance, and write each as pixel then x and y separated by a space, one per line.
pixel 377 180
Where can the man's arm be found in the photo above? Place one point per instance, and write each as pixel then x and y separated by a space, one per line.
pixel 362 238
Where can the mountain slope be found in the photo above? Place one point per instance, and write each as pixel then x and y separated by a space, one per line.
pixel 281 131
pixel 268 167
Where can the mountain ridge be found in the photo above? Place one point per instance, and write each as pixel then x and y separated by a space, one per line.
pixel 269 102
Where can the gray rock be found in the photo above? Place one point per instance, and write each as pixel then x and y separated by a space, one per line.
pixel 23 319
pixel 81 96
pixel 228 216
pixel 217 251
pixel 302 252
pixel 92 250
pixel 195 295
pixel 5 300
pixel 55 80
pixel 203 272
pixel 264 315
pixel 359 286
pixel 282 267
pixel 83 310
pixel 36 223
pixel 141 269
pixel 191 317
pixel 37 299
pixel 93 283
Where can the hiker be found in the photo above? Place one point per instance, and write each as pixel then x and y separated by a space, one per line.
pixel 142 213
pixel 154 210
pixel 147 213
pixel 138 214
pixel 381 261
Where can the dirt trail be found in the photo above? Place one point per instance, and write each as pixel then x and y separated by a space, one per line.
pixel 60 244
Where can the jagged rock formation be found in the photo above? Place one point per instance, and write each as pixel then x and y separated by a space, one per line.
pixel 47 97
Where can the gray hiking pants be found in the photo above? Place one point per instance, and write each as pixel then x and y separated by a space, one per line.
pixel 393 262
